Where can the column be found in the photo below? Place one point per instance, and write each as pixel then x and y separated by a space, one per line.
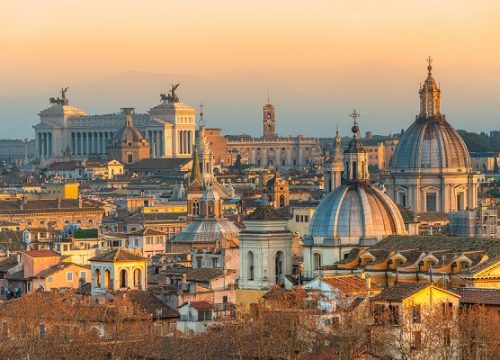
pixel 161 140
pixel 40 141
pixel 44 144
pixel 189 142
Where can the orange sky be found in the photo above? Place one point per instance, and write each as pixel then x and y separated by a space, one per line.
pixel 47 44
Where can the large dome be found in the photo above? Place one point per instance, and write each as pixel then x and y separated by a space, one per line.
pixel 356 211
pixel 208 231
pixel 430 145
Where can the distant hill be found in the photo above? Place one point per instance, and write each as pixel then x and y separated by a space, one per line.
pixel 482 142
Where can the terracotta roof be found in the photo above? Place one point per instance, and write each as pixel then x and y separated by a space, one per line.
pixel 266 212
pixel 206 274
pixel 42 253
pixel 431 216
pixel 201 305
pixel 159 164
pixel 151 304
pixel 8 223
pixel 478 296
pixel 349 284
pixel 117 255
pixel 11 206
pixel 401 291
pixel 64 165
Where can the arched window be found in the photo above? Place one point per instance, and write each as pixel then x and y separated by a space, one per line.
pixel 278 266
pixel 250 266
pixel 354 172
pixel 138 279
pixel 97 278
pixel 123 279
pixel 316 261
pixel 282 200
pixel 107 279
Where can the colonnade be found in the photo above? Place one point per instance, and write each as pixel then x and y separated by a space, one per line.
pixel 90 142
pixel 185 142
pixel 45 144
pixel 155 138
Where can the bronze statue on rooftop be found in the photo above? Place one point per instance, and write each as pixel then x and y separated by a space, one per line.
pixel 63 100
pixel 171 97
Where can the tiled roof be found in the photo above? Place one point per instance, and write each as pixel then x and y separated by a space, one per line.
pixel 42 253
pixel 353 254
pixel 400 292
pixel 478 296
pixel 431 216
pixel 10 206
pixel 8 263
pixel 117 255
pixel 8 223
pixel 206 274
pixel 201 305
pixel 64 165
pixel 146 231
pixel 266 212
pixel 148 302
pixel 16 276
pixel 349 284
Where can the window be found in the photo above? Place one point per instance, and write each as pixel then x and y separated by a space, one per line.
pixel 149 240
pixel 83 275
pixel 69 276
pixel 416 340
pixel 198 262
pixel 447 310
pixel 446 337
pixel 215 262
pixel 50 279
pixel 136 242
pixel 159 240
pixel 129 158
pixel 306 218
pixel 416 314
pixel 430 202
pixel 394 314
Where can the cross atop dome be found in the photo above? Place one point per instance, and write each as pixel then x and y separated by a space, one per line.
pixel 202 121
pixel 355 115
pixel 429 67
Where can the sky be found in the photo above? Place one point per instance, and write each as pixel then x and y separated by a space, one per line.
pixel 318 58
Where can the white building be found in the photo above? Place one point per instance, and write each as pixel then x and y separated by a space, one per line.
pixel 66 131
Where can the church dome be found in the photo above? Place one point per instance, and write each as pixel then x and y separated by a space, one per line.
pixel 208 231
pixel 128 134
pixel 356 211
pixel 430 144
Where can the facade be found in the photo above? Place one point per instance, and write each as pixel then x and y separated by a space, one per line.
pixel 480 222
pixel 148 242
pixel 118 270
pixel 277 191
pixel 380 155
pixel 66 131
pixel 353 214
pixel 431 169
pixel 265 254
pixel 273 150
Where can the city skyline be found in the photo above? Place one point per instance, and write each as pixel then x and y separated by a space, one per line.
pixel 341 56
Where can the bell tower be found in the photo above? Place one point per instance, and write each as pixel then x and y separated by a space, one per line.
pixel 355 158
pixel 430 96
pixel 269 121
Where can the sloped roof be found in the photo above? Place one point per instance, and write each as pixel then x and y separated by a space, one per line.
pixel 159 164
pixel 146 232
pixel 401 291
pixel 117 255
pixel 478 296
pixel 201 305
pixel 54 269
pixel 151 304
pixel 349 284
pixel 8 263
pixel 41 253
pixel 207 274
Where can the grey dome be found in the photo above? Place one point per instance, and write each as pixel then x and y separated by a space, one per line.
pixel 356 211
pixel 208 230
pixel 430 145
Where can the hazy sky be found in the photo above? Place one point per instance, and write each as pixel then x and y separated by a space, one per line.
pixel 320 58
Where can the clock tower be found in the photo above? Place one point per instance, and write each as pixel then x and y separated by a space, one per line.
pixel 269 121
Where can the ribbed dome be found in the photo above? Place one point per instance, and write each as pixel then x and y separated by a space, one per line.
pixel 430 145
pixel 208 230
pixel 356 211
pixel 128 134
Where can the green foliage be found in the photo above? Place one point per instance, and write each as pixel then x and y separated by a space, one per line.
pixel 478 142
pixel 85 234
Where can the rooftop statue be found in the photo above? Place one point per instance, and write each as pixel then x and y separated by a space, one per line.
pixel 63 100
pixel 171 97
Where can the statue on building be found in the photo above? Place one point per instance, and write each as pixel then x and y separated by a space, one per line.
pixel 63 100
pixel 171 97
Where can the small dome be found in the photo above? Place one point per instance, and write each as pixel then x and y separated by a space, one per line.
pixel 128 133
pixel 356 211
pixel 430 144
pixel 208 231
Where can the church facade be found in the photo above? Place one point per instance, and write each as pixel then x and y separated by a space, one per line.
pixel 65 131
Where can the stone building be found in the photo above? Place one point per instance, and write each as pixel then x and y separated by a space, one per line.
pixel 65 130
pixel 277 191
pixel 273 150
pixel 128 146
pixel 353 214
pixel 431 169
pixel 265 254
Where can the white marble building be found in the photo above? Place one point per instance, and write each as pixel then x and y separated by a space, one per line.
pixel 66 131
